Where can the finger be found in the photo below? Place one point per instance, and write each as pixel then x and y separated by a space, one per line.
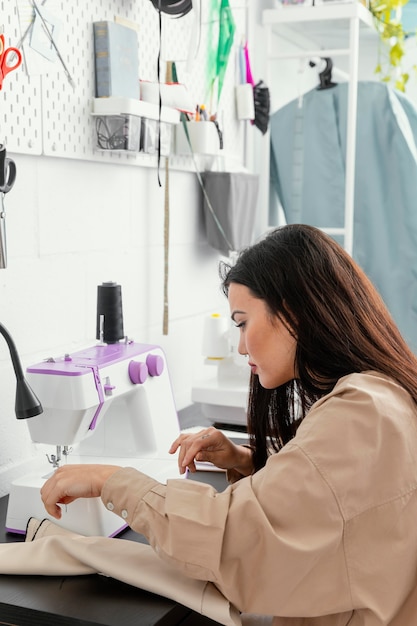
pixel 52 507
pixel 191 467
pixel 202 443
pixel 54 491
pixel 175 445
pixel 54 510
pixel 179 441
pixel 46 489
pixel 189 445
pixel 182 463
pixel 181 453
pixel 187 456
pixel 184 442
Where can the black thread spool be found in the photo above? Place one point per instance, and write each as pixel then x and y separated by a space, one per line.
pixel 109 327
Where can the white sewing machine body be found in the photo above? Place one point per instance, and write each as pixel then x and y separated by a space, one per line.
pixel 106 404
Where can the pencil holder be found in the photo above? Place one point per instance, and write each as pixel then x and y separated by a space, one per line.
pixel 203 137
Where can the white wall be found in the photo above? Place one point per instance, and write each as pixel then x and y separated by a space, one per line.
pixel 72 225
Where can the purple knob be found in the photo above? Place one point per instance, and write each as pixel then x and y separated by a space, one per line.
pixel 138 372
pixel 155 364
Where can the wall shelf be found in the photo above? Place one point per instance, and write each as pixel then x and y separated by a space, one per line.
pixel 326 26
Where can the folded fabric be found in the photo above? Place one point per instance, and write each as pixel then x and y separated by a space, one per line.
pixel 50 550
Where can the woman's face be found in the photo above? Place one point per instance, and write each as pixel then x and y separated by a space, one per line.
pixel 267 341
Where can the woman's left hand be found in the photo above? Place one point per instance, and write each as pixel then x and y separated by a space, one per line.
pixel 70 482
pixel 213 446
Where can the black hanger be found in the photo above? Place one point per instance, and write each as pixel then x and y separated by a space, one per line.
pixel 326 75
pixel 176 8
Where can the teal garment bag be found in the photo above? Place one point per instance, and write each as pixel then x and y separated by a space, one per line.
pixel 308 147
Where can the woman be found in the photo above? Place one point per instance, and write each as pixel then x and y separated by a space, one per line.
pixel 319 527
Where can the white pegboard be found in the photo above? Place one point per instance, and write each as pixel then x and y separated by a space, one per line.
pixel 20 97
pixel 46 115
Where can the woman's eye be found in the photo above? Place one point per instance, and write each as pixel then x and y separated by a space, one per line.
pixel 240 325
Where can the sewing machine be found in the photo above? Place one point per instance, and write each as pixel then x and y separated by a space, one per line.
pixel 106 404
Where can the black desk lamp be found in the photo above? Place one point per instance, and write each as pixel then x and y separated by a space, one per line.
pixel 27 404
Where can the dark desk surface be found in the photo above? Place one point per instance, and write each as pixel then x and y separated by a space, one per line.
pixel 89 600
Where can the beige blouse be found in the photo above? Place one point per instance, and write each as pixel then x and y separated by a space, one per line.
pixel 324 535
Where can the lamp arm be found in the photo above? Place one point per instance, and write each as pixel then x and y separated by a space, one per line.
pixel 27 403
pixel 17 366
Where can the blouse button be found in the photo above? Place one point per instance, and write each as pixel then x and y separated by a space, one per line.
pixel 124 514
pixel 110 506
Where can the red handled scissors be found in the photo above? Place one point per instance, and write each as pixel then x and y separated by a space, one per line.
pixel 10 59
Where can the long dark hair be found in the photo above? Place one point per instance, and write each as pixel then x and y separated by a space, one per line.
pixel 340 322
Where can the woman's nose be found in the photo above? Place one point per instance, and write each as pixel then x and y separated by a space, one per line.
pixel 241 348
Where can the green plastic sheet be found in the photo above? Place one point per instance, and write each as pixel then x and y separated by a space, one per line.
pixel 221 19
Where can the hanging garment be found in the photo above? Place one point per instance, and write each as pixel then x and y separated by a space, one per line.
pixel 308 148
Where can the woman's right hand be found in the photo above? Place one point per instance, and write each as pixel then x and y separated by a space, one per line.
pixel 70 482
pixel 213 446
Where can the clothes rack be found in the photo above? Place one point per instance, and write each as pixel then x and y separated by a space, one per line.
pixel 330 30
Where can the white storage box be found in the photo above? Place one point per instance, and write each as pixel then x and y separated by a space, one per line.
pixel 149 137
pixel 117 132
pixel 121 121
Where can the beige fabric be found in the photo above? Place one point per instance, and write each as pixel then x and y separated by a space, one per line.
pixel 324 535
pixel 57 552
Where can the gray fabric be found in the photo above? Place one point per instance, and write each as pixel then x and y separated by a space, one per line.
pixel 233 197
pixel 385 227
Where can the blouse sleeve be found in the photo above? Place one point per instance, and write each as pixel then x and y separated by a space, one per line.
pixel 271 542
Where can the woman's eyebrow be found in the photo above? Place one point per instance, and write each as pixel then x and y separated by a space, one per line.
pixel 236 313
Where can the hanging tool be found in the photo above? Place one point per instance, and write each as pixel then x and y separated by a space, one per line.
pixel 53 42
pixel 7 180
pixel 261 96
pixel 10 59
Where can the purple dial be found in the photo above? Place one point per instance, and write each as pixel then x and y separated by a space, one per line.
pixel 155 364
pixel 138 372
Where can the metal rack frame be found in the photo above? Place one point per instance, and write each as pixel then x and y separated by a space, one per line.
pixel 321 31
